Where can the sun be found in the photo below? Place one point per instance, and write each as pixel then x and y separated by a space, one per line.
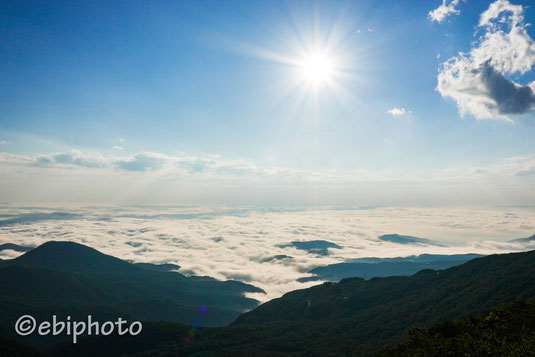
pixel 317 68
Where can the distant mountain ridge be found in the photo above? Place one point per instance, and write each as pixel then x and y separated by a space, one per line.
pixel 15 247
pixel 420 258
pixel 368 268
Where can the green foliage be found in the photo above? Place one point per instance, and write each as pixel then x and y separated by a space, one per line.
pixel 505 331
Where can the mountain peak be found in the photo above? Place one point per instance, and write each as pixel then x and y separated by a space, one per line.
pixel 70 256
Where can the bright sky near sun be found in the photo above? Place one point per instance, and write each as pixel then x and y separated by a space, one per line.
pixel 335 102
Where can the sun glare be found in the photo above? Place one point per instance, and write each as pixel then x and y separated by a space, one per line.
pixel 317 68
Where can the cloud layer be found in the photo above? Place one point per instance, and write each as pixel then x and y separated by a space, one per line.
pixel 251 244
pixel 479 81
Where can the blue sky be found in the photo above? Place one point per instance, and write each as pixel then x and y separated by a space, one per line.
pixel 129 85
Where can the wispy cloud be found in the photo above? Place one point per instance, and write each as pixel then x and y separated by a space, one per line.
pixel 72 158
pixel 149 177
pixel 444 10
pixel 478 80
pixel 210 166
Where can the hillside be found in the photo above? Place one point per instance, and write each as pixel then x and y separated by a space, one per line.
pixel 354 317
pixel 10 347
pixel 64 278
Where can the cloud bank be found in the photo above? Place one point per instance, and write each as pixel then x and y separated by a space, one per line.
pixel 479 81
pixel 253 244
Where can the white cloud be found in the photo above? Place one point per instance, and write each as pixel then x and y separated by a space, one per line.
pixel 444 10
pixel 3 142
pixel 398 112
pixel 478 80
pixel 118 147
pixel 142 162
pixel 497 8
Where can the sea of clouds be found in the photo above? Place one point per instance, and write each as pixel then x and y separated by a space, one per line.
pixel 239 243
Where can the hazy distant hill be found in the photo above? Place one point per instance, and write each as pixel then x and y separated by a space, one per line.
pixel 319 247
pixel 368 268
pixel 65 278
pixel 34 217
pixel 354 317
pixel 396 238
pixel 524 240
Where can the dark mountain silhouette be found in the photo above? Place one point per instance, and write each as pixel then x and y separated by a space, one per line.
pixel 368 268
pixel 320 247
pixel 421 258
pixel 351 318
pixel 15 247
pixel 65 278
pixel 72 257
pixel 396 238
